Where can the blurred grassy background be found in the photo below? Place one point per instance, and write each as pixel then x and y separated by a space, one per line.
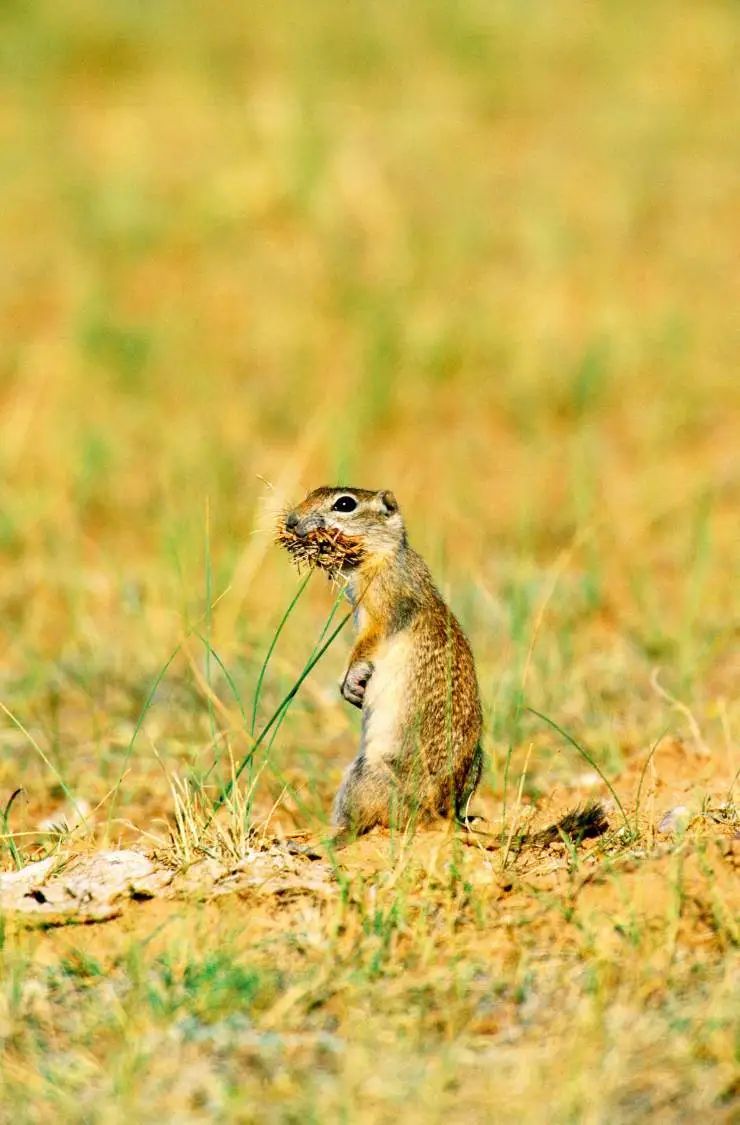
pixel 486 254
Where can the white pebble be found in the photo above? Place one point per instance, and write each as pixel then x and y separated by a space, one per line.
pixel 675 819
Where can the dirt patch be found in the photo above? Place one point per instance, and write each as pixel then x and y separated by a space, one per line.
pixel 96 887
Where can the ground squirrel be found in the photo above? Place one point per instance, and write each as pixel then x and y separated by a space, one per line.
pixel 411 670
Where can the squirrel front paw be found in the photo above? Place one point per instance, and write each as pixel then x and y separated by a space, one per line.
pixel 356 680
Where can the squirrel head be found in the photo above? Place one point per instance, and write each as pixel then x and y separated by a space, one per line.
pixel 360 514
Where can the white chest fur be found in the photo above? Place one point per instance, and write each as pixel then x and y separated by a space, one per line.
pixel 386 699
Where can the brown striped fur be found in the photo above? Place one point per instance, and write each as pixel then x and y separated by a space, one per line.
pixel 411 670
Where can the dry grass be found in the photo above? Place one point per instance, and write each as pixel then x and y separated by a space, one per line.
pixel 326 550
pixel 486 255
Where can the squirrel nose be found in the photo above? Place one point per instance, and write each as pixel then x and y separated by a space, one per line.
pixel 292 520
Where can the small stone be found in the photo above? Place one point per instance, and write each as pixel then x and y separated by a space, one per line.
pixel 586 780
pixel 675 820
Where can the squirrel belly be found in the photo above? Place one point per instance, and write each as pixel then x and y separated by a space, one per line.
pixel 386 701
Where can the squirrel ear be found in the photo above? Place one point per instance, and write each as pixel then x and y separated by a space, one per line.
pixel 389 502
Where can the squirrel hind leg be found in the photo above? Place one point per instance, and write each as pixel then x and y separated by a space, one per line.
pixel 370 795
pixel 362 800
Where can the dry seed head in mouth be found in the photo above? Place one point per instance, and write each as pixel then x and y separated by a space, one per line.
pixel 326 548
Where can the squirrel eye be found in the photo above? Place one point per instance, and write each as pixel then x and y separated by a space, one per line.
pixel 344 504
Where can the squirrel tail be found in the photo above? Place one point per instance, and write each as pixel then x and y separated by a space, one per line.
pixel 579 824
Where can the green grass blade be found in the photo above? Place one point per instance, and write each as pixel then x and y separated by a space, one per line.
pixel 208 613
pixel 643 771
pixel 227 676
pixel 47 762
pixel 139 723
pixel 284 704
pixel 341 595
pixel 234 691
pixel 271 649
pixel 7 834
